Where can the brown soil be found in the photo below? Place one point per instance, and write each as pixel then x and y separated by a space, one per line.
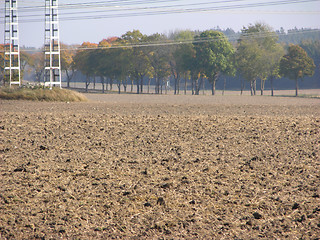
pixel 152 167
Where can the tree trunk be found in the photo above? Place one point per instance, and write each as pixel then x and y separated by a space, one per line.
pixel 119 87
pixel 185 85
pixel 155 84
pixel 68 79
pixel 141 84
pixel 138 86
pixel 255 87
pixel 111 83
pixel 196 86
pixel 166 87
pixel 87 82
pixel 107 83
pixel 297 87
pixel 102 83
pixel 214 80
pixel 192 85
pixel 178 90
pixel 131 85
pixel 203 86
pixel 175 85
pixel 251 87
pixel 94 82
pixel 224 84
pixel 149 80
pixel 199 85
pixel 125 83
pixel 262 86
pixel 242 85
pixel 271 83
pixel 213 87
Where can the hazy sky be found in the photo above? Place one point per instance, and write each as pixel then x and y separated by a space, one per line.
pixel 93 20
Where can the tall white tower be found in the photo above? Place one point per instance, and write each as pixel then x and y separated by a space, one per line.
pixel 52 72
pixel 11 43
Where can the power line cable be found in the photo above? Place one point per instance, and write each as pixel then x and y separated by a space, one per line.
pixel 174 11
pixel 166 42
pixel 100 4
pixel 119 8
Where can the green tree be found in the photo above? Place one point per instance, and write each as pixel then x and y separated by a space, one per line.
pixel 107 58
pixel 255 51
pixel 296 64
pixel 114 64
pixel 248 63
pixel 186 55
pixel 214 54
pixel 140 66
pixel 86 61
pixel 273 65
pixel 313 50
pixel 158 55
pixel 179 55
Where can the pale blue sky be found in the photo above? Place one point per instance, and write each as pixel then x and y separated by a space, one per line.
pixel 236 14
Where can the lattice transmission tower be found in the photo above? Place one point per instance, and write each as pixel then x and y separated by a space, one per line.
pixel 11 43
pixel 52 72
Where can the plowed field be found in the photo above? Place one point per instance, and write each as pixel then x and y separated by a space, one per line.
pixel 160 167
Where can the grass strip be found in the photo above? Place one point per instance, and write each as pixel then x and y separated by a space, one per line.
pixel 42 94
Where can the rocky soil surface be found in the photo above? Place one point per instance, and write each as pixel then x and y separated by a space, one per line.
pixel 156 168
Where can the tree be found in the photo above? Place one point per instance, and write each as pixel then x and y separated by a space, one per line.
pixel 103 62
pixel 25 60
pixel 37 63
pixel 4 60
pixel 67 62
pixel 313 50
pixel 214 55
pixel 254 58
pixel 85 61
pixel 139 62
pixel 247 61
pixel 158 56
pixel 179 55
pixel 296 64
pixel 113 64
pixel 273 64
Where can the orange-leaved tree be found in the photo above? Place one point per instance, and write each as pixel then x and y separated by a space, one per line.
pixel 67 61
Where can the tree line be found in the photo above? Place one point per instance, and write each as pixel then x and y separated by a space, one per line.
pixel 187 58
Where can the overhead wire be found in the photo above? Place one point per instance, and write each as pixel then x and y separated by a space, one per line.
pixel 99 4
pixel 120 8
pixel 167 42
pixel 184 10
pixel 162 10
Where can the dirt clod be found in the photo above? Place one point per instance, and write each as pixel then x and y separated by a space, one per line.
pixel 147 204
pixel 295 206
pixel 161 201
pixel 257 215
